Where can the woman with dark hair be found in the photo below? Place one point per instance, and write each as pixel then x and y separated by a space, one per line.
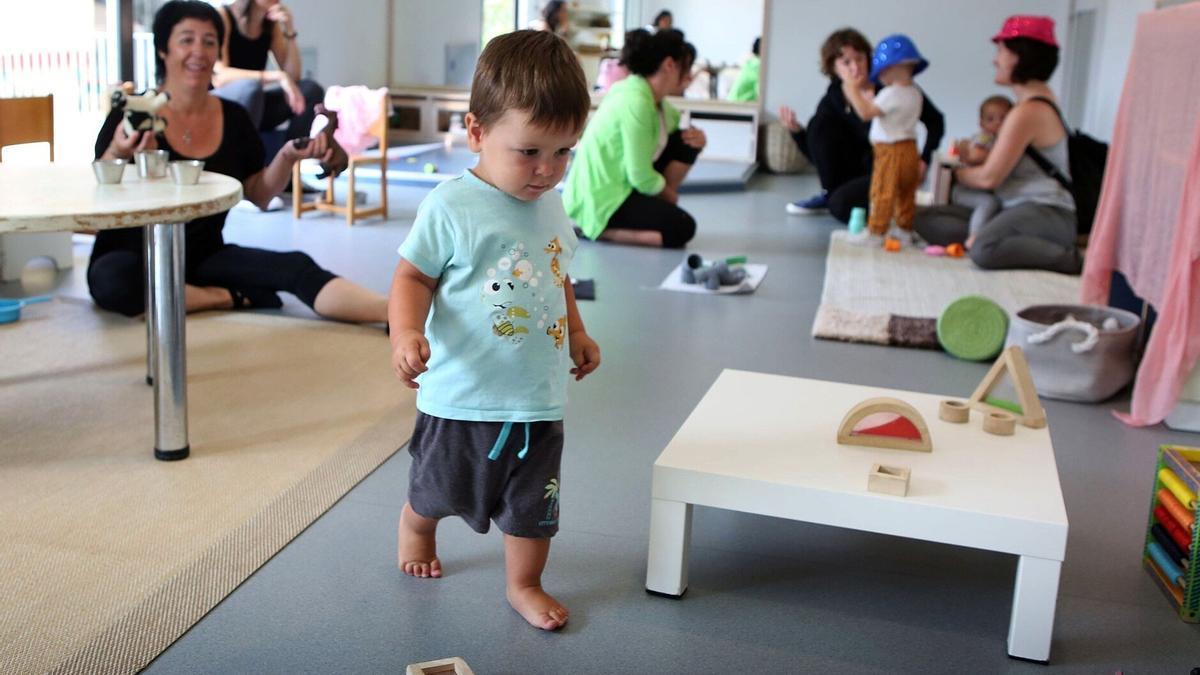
pixel 664 20
pixel 554 18
pixel 218 275
pixel 623 185
pixel 1035 227
pixel 252 29
pixel 836 141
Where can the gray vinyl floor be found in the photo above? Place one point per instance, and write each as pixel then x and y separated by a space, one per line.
pixel 765 595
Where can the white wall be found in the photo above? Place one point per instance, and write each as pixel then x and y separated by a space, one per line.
pixel 722 31
pixel 1118 23
pixel 421 31
pixel 349 40
pixel 954 36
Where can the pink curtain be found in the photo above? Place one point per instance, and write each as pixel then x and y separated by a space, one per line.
pixel 1147 225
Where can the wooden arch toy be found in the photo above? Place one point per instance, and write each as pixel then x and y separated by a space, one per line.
pixel 906 431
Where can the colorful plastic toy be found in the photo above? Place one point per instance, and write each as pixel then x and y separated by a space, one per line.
pixel 955 250
pixel 892 245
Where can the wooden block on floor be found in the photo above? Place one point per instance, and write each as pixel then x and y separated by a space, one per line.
pixel 450 666
pixel 889 480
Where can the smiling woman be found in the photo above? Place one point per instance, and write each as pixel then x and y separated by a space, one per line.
pixel 633 155
pixel 187 38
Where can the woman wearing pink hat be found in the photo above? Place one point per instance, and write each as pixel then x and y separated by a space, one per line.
pixel 1035 228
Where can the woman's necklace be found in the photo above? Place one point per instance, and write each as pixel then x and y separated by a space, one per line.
pixel 186 137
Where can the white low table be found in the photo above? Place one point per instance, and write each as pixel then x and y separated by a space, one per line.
pixel 65 197
pixel 767 444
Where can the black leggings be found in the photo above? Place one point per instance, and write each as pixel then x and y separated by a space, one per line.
pixel 842 161
pixel 646 212
pixel 268 106
pixel 117 279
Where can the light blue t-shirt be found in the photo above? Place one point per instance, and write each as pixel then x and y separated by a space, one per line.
pixel 497 329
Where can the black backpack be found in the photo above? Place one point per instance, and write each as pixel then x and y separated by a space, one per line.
pixel 1086 157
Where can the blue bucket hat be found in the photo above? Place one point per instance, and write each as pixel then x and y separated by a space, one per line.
pixel 895 49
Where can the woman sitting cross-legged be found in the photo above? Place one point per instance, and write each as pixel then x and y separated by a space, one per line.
pixel 1036 226
pixel 187 36
pixel 623 185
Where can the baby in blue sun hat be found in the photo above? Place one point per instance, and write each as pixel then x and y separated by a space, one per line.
pixel 893 113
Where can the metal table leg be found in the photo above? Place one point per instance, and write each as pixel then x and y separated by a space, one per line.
pixel 167 325
pixel 151 341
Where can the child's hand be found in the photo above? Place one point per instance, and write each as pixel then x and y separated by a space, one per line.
pixel 585 353
pixel 410 351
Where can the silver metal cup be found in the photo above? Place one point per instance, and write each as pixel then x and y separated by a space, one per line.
pixel 152 163
pixel 108 171
pixel 186 171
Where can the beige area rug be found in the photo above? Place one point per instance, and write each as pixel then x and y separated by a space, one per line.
pixel 108 555
pixel 884 298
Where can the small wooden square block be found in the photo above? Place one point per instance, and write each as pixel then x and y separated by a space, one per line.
pixel 451 666
pixel 890 480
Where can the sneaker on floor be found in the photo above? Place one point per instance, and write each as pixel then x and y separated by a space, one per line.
pixel 276 204
pixel 817 203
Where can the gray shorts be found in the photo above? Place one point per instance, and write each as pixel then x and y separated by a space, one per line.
pixel 468 469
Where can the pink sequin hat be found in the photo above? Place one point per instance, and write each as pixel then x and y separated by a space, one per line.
pixel 1040 28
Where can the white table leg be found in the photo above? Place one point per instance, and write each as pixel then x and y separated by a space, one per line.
pixel 170 351
pixel 670 539
pixel 1034 600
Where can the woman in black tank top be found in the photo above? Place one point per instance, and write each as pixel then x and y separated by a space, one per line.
pixel 254 29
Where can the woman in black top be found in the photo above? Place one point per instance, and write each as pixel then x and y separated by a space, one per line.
pixel 835 140
pixel 187 36
pixel 252 29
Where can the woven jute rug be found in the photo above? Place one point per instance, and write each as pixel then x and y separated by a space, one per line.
pixel 873 296
pixel 109 555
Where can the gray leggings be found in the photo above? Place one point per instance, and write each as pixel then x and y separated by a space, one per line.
pixel 1025 236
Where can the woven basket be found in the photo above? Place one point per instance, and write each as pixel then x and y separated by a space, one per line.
pixel 779 151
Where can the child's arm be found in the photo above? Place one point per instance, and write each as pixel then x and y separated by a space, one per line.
pixel 584 350
pixel 975 154
pixel 866 110
pixel 408 307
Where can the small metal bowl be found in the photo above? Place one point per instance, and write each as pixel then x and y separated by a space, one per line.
pixel 186 171
pixel 109 171
pixel 152 163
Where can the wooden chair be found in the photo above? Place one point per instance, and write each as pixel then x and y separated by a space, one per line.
pixel 27 120
pixel 326 202
pixel 30 120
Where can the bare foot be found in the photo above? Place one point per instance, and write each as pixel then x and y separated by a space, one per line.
pixel 538 607
pixel 418 545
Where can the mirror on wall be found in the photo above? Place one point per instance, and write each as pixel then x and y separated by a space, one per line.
pixel 725 35
pixel 436 45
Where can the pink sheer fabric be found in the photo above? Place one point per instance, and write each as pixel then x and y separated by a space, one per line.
pixel 1147 226
pixel 357 109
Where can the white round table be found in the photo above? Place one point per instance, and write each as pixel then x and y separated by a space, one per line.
pixel 64 196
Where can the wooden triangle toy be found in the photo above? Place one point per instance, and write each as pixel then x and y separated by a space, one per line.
pixel 1012 361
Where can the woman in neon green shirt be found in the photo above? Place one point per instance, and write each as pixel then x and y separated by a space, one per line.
pixel 745 87
pixel 624 181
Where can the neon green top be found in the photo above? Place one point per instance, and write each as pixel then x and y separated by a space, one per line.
pixel 745 87
pixel 616 154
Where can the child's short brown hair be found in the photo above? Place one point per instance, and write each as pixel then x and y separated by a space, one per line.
pixel 535 72
pixel 1000 101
